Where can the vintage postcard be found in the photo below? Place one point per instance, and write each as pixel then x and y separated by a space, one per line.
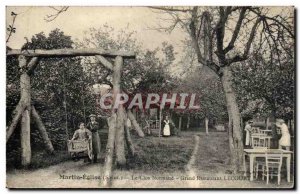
pixel 149 97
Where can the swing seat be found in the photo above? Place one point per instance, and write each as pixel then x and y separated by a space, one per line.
pixel 80 148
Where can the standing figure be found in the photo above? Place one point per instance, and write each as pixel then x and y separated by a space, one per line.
pixel 248 129
pixel 93 126
pixel 166 131
pixel 285 140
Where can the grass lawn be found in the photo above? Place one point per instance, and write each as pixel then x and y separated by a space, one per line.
pixel 152 153
pixel 214 154
pixel 162 154
pixel 155 157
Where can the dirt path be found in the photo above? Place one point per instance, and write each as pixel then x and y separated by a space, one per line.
pixel 60 176
pixel 206 169
pixel 72 174
pixel 190 167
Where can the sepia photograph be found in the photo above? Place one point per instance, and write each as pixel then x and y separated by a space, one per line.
pixel 150 97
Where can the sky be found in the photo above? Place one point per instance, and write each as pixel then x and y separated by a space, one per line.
pixel 76 20
pixel 18 38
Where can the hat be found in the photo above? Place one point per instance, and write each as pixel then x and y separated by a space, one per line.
pixel 279 121
pixel 92 115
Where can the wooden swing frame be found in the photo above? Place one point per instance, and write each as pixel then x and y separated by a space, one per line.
pixel 118 132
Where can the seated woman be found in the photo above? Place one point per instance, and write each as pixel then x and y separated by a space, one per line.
pixel 81 134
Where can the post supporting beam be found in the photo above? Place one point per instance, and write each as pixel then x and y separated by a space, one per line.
pixel 114 124
pixel 42 130
pixel 17 116
pixel 25 123
pixel 105 62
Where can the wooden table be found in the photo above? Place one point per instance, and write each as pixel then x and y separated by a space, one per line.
pixel 255 153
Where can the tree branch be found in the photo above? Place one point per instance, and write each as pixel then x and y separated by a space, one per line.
pixel 52 17
pixel 251 37
pixel 170 9
pixel 220 32
pixel 273 19
pixel 238 58
pixel 236 30
pixel 208 62
pixel 11 27
pixel 194 36
pixel 104 62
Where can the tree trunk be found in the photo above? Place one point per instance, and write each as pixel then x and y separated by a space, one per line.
pixel 120 137
pixel 25 139
pixel 42 130
pixel 128 139
pixel 237 147
pixel 274 130
pixel 180 123
pixel 18 114
pixel 25 125
pixel 66 108
pixel 109 149
pixel 206 125
pixel 160 122
pixel 242 125
pixel 230 138
pixel 188 122
pixel 135 124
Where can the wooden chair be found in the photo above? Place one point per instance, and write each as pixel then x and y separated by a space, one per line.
pixel 256 130
pixel 147 127
pixel 272 167
pixel 152 127
pixel 259 142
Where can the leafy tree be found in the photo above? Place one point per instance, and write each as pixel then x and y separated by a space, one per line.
pixel 148 72
pixel 208 90
pixel 222 37
pixel 60 89
pixel 269 83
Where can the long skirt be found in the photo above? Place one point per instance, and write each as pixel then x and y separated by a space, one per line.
pixel 248 139
pixel 285 140
pixel 96 143
pixel 166 131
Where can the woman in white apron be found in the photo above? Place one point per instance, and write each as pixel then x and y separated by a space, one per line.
pixel 248 130
pixel 285 140
pixel 166 130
